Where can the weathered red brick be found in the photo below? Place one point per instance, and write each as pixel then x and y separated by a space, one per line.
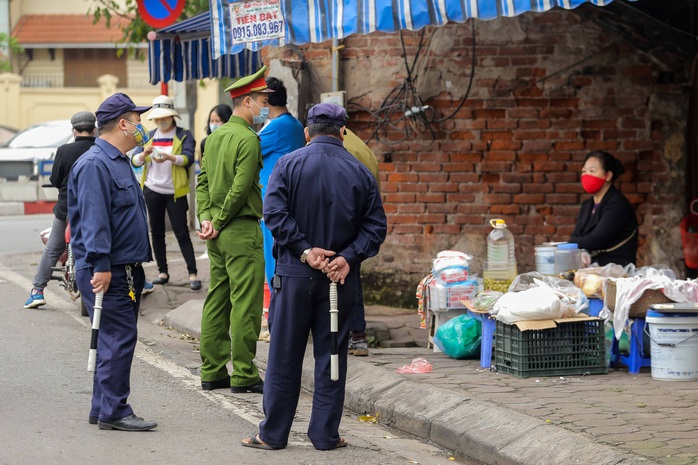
pixel 462 177
pixel 569 145
pixel 539 188
pixel 501 188
pixel 431 197
pixel 561 199
pixel 432 177
pixel 472 208
pixel 601 145
pixel 495 167
pixel 413 187
pixel 529 199
pixel 467 219
pixel 496 135
pixel 529 135
pixel 500 155
pixel 505 209
pixel 534 124
pixel 400 198
pixel 494 199
pixel 411 208
pixel 403 177
pixel 450 229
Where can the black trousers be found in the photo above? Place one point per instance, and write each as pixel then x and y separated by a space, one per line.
pixel 176 209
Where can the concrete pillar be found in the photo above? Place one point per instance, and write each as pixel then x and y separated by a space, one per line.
pixel 9 100
pixel 107 85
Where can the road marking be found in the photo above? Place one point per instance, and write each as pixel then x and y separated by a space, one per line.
pixel 61 302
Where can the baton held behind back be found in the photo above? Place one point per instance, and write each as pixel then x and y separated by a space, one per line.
pixel 334 357
pixel 96 315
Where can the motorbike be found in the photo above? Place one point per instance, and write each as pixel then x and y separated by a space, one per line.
pixel 64 271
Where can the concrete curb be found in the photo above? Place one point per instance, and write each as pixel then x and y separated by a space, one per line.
pixel 479 430
pixel 11 208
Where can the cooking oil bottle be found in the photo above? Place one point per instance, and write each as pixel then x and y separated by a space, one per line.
pixel 500 268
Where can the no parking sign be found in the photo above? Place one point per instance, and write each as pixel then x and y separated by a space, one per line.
pixel 160 13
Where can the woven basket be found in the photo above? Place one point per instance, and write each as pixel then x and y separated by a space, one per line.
pixel 639 308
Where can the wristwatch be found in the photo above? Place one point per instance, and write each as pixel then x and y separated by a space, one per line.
pixel 304 255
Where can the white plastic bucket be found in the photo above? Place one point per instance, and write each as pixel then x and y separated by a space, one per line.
pixel 545 259
pixel 674 345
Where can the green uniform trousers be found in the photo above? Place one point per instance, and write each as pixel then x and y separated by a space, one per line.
pixel 232 314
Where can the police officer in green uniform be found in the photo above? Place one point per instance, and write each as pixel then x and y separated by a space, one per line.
pixel 229 206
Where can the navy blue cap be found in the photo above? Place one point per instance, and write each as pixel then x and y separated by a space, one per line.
pixel 327 113
pixel 115 106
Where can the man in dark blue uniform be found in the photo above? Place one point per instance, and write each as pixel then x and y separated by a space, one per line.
pixel 325 212
pixel 109 236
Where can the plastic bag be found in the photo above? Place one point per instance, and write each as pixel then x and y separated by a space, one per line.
pixel 572 298
pixel 484 301
pixel 451 267
pixel 536 303
pixel 591 280
pixel 459 337
pixel 418 365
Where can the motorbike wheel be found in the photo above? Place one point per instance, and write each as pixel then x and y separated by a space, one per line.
pixel 83 308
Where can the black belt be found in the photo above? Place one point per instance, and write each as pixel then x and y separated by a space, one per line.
pixel 248 217
pixel 134 265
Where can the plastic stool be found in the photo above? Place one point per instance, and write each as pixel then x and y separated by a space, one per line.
pixel 488 326
pixel 636 359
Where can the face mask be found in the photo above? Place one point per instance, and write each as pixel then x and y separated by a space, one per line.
pixel 139 134
pixel 592 184
pixel 165 125
pixel 213 126
pixel 263 114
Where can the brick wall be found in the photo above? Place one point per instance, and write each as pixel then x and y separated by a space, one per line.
pixel 547 89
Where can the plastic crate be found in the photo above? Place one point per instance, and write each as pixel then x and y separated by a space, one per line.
pixel 571 348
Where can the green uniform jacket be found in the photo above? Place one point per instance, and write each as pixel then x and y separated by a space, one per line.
pixel 228 184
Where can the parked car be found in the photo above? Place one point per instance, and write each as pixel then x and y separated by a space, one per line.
pixel 24 154
pixel 6 133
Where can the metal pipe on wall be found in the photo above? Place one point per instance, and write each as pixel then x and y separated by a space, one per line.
pixel 335 65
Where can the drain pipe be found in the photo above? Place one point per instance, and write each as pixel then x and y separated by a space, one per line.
pixel 335 64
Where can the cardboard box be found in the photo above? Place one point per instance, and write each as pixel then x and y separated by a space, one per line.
pixel 546 324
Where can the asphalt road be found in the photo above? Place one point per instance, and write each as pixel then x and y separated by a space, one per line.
pixel 46 390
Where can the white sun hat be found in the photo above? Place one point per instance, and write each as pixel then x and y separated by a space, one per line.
pixel 163 106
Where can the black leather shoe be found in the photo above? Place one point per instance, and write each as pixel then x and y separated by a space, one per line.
pixel 195 285
pixel 129 423
pixel 161 280
pixel 93 420
pixel 256 388
pixel 218 384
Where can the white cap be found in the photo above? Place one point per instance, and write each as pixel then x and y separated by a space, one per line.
pixel 163 106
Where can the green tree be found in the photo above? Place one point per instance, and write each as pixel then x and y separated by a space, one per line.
pixel 136 30
pixel 10 44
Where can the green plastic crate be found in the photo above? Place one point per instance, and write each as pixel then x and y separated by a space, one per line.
pixel 571 348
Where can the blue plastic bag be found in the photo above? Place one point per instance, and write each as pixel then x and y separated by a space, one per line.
pixel 459 337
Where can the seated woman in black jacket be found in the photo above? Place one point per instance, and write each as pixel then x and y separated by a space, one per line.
pixel 606 225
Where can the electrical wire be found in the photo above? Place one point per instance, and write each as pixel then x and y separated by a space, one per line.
pixel 403 114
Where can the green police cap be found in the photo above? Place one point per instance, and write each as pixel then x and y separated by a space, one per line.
pixel 249 84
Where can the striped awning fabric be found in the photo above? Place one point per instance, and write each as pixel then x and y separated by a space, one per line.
pixel 320 20
pixel 183 51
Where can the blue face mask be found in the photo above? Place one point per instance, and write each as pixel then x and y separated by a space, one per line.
pixel 214 126
pixel 263 114
pixel 140 134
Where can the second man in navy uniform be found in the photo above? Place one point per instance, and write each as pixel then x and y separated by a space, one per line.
pixel 325 212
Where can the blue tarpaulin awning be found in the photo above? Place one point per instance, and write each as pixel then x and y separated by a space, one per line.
pixel 182 51
pixel 320 20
